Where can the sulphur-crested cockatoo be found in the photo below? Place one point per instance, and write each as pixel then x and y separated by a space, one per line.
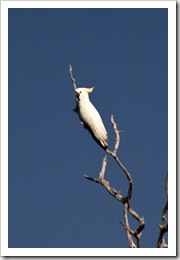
pixel 90 117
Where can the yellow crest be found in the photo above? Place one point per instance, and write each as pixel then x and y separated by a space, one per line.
pixel 89 90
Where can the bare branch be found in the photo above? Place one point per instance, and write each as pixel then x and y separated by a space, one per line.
pixel 117 135
pixel 113 154
pixel 116 194
pixel 163 226
pixel 124 200
pixel 166 185
pixel 102 172
pixel 127 228
pixel 138 231
pixel 91 178
pixel 104 183
pixel 72 78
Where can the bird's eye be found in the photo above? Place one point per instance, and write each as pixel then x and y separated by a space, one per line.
pixel 80 92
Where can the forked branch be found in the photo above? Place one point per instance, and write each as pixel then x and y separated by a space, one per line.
pixel 125 200
pixel 114 155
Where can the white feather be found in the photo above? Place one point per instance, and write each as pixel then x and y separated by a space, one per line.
pixel 90 116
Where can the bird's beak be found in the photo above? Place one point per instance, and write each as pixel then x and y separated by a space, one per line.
pixel 89 90
pixel 77 95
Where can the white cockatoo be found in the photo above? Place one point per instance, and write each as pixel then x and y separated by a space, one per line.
pixel 90 117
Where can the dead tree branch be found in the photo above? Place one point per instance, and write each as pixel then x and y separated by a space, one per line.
pixel 125 200
pixel 114 155
pixel 72 78
pixel 163 226
pixel 116 194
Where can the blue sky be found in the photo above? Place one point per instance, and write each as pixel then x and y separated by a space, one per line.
pixel 123 53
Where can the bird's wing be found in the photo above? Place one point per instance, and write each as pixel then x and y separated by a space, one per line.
pixel 93 122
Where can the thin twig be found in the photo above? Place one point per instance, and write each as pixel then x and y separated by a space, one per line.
pixel 72 78
pixel 116 146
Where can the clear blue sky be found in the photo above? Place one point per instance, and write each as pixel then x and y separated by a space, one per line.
pixel 123 53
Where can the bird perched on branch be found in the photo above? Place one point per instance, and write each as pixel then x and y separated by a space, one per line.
pixel 90 117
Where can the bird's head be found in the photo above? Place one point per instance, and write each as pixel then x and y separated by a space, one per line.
pixel 82 93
